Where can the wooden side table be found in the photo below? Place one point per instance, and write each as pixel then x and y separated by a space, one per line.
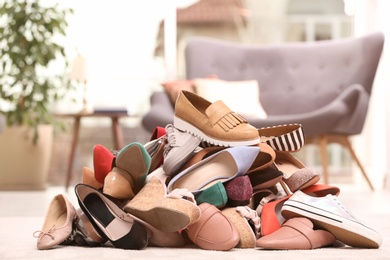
pixel 117 134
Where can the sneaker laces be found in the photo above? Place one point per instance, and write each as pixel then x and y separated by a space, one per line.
pixel 171 139
pixel 341 206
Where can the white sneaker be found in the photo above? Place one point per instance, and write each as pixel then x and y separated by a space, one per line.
pixel 330 214
pixel 180 146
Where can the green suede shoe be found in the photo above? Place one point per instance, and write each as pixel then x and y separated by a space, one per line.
pixel 215 195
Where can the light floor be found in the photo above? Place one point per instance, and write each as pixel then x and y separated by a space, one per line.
pixel 22 213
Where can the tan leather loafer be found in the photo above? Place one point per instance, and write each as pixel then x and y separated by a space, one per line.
pixel 214 122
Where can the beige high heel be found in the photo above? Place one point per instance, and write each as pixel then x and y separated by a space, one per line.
pixel 88 177
pixel 129 175
pixel 167 212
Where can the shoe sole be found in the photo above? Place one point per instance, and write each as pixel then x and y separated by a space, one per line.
pixel 184 126
pixel 347 231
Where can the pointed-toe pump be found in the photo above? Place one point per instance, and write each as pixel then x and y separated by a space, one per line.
pixel 88 177
pixel 129 175
pixel 155 237
pixel 103 161
pixel 221 166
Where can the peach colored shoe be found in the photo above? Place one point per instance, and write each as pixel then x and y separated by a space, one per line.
pixel 247 223
pixel 88 177
pixel 213 231
pixel 271 217
pixel 214 122
pixel 295 234
pixel 58 223
pixel 129 174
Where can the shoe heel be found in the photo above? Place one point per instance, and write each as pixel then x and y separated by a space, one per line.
pixel 118 184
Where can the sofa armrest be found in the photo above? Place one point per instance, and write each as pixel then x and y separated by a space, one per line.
pixel 161 112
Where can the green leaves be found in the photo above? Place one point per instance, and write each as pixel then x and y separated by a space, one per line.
pixel 27 48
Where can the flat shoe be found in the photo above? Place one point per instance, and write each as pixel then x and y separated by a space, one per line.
pixel 296 233
pixel 155 237
pixel 201 154
pixel 271 216
pixel 213 230
pixel 221 166
pixel 288 137
pixel 330 214
pixel 57 225
pixel 214 122
pixel 109 220
pixel 215 195
pixel 239 191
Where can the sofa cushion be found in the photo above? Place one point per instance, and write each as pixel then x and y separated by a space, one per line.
pixel 242 97
pixel 173 88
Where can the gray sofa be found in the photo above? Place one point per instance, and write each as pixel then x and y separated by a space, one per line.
pixel 323 85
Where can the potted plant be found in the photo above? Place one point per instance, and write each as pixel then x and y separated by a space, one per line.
pixel 29 48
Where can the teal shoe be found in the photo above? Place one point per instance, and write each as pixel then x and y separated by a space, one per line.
pixel 215 195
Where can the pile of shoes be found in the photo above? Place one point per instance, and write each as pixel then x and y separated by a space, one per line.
pixel 209 180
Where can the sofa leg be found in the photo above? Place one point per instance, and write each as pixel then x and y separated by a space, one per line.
pixel 348 145
pixel 323 145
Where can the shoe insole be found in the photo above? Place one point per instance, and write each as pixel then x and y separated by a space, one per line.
pixel 219 168
pixel 112 226
pixel 287 167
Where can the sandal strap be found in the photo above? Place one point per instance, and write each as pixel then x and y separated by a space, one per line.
pixel 252 217
pixel 182 194
pixel 287 137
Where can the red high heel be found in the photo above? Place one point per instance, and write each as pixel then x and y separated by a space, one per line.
pixel 103 162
